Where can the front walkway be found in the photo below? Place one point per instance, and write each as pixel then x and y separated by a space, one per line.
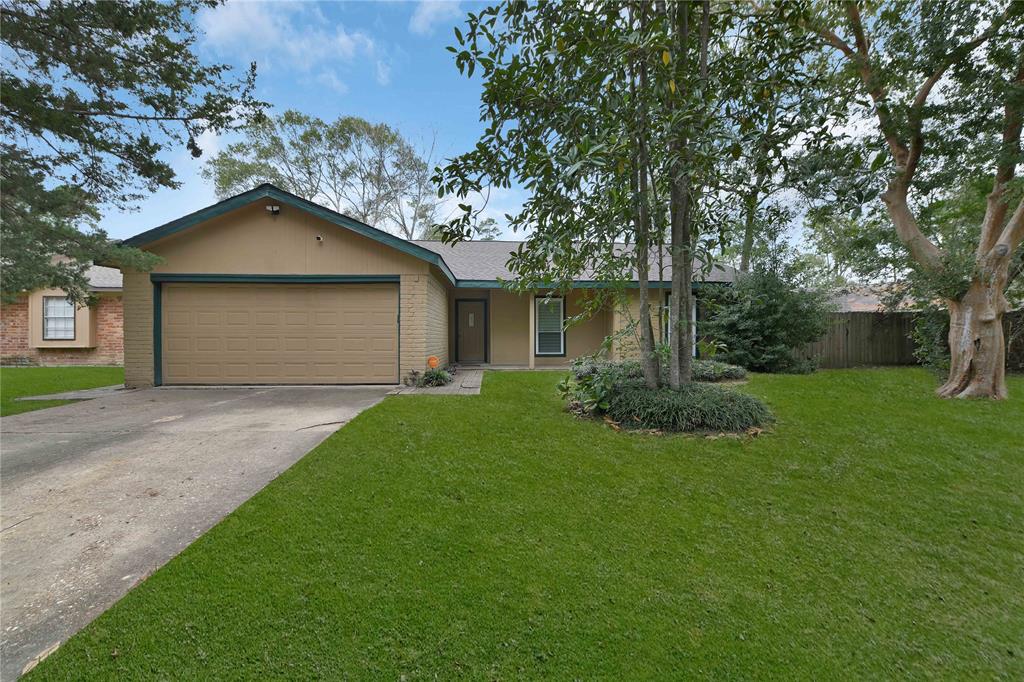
pixel 466 382
pixel 99 494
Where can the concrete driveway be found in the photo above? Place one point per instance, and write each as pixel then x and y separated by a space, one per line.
pixel 96 495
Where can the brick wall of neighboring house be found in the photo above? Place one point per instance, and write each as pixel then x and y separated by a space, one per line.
pixel 109 350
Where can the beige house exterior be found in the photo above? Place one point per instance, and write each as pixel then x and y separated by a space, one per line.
pixel 268 288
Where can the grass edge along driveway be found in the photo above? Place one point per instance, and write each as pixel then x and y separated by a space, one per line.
pixel 877 532
pixel 18 382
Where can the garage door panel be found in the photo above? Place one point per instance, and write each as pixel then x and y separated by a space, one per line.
pixel 280 333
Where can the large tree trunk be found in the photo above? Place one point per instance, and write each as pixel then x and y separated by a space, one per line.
pixel 977 347
pixel 750 214
pixel 648 356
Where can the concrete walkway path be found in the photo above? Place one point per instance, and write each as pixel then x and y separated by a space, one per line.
pixel 466 382
pixel 99 494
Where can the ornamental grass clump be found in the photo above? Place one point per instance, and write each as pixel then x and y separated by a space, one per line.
pixel 693 408
pixel 435 377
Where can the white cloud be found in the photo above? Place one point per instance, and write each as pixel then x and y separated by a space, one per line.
pixel 209 142
pixel 293 35
pixel 430 13
pixel 383 72
pixel 330 80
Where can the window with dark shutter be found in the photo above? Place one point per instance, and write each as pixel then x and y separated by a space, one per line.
pixel 550 320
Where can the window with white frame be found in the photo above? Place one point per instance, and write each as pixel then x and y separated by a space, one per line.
pixel 667 329
pixel 58 319
pixel 550 326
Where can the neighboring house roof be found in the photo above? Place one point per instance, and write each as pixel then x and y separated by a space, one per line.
pixel 103 278
pixel 867 299
pixel 466 264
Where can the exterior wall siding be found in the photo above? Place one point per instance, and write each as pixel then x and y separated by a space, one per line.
pixel 436 320
pixel 138 329
pixel 583 338
pixel 412 337
pixel 251 241
pixel 510 328
pixel 107 342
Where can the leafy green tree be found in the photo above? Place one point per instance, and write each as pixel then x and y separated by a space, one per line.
pixel 940 88
pixel 93 93
pixel 616 117
pixel 363 169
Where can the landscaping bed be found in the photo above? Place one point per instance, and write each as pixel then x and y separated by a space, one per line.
pixel 617 393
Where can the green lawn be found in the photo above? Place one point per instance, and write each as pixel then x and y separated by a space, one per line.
pixel 16 382
pixel 878 532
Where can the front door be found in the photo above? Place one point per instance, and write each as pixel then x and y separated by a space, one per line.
pixel 471 341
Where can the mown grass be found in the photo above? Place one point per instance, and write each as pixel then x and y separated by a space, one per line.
pixel 877 532
pixel 17 382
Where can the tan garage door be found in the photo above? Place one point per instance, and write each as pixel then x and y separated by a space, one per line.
pixel 280 333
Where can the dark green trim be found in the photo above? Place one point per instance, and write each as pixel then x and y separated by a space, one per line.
pixel 267 191
pixel 536 329
pixel 272 279
pixel 487 326
pixel 158 370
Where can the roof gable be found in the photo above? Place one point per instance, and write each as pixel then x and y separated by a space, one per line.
pixel 465 264
pixel 268 191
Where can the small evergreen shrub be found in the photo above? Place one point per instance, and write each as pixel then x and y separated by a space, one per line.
pixel 710 371
pixel 434 377
pixel 694 407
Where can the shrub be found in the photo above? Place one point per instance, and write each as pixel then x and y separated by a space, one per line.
pixel 931 338
pixel 434 377
pixel 627 370
pixel 711 371
pixel 764 318
pixel 695 407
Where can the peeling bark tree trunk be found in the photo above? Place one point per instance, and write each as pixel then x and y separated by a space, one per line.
pixel 977 347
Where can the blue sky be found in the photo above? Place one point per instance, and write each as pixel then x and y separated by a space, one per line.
pixel 383 61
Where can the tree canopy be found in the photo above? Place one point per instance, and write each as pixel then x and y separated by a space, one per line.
pixel 366 170
pixel 935 93
pixel 93 94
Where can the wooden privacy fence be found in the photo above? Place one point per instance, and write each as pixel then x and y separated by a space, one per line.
pixel 859 339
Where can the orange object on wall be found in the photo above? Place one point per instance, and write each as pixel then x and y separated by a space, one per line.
pixel 432 362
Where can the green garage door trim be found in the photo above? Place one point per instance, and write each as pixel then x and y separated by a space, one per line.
pixel 158 279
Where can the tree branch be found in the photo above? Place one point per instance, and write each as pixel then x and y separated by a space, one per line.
pixel 1012 234
pixel 1009 152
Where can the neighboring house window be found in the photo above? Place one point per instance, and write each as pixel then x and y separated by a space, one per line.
pixel 666 329
pixel 550 326
pixel 58 319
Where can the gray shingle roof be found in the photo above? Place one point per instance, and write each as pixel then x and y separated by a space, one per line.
pixel 480 260
pixel 103 278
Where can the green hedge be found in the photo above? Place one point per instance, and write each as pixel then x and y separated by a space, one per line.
pixel 694 407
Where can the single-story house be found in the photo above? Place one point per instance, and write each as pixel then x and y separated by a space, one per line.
pixel 43 328
pixel 268 288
